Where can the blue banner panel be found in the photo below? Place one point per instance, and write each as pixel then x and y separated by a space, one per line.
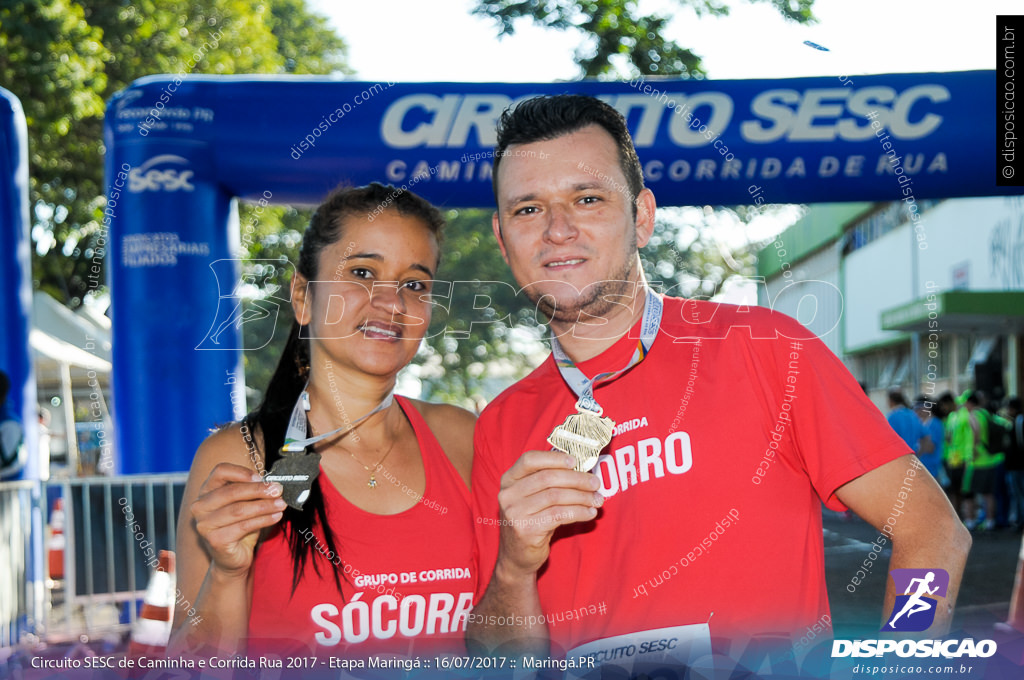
pixel 179 149
pixel 801 140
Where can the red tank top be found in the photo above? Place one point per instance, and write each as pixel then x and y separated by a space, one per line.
pixel 407 579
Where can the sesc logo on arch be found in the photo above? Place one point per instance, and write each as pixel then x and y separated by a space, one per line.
pixel 147 177
pixel 918 594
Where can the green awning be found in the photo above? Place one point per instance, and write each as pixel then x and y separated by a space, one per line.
pixel 960 311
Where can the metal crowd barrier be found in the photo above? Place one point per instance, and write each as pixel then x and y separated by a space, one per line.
pixel 21 601
pixel 114 528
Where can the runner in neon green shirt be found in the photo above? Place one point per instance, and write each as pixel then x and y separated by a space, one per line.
pixel 981 466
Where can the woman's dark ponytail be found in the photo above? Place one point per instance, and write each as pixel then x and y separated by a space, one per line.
pixel 271 419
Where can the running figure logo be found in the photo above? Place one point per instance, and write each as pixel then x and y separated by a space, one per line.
pixel 921 590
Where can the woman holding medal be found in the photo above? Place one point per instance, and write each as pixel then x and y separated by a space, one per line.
pixel 359 539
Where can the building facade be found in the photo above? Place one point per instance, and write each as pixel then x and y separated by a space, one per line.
pixel 923 303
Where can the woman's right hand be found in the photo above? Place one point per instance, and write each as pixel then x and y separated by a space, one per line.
pixel 233 505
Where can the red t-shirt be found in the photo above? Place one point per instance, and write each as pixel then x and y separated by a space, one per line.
pixel 407 579
pixel 728 438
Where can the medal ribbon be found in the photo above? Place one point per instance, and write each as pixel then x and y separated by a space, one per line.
pixel 583 386
pixel 295 438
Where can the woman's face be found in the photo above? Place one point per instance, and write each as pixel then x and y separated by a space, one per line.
pixel 370 306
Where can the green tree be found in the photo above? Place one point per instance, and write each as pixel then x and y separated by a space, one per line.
pixel 616 31
pixel 268 259
pixel 306 41
pixel 483 335
pixel 476 311
pixel 54 60
pixel 687 256
pixel 64 60
pixel 621 41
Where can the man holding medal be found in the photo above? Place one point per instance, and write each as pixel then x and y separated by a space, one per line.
pixel 667 463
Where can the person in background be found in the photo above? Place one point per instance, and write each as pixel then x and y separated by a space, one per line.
pixel 955 456
pixel 45 418
pixel 11 451
pixel 999 442
pixel 981 466
pixel 934 439
pixel 945 406
pixel 1015 463
pixel 906 424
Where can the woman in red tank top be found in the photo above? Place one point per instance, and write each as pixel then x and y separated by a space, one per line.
pixel 375 557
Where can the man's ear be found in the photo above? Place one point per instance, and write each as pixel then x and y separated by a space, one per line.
pixel 496 226
pixel 645 210
pixel 302 303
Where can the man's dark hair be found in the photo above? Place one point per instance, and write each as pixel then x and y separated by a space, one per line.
pixel 552 116
pixel 1013 403
pixel 976 397
pixel 896 397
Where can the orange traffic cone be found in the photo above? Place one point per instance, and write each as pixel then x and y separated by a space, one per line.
pixel 153 628
pixel 55 546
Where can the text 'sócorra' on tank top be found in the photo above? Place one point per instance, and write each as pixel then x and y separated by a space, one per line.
pixel 407 579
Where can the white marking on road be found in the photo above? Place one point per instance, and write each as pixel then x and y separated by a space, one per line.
pixel 843 544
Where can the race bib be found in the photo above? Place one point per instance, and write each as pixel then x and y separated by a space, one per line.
pixel 643 652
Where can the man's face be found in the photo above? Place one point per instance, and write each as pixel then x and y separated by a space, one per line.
pixel 565 223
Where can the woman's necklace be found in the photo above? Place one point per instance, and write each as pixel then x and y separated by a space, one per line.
pixel 372 482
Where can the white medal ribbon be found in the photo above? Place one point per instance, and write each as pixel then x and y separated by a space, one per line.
pixel 583 386
pixel 295 438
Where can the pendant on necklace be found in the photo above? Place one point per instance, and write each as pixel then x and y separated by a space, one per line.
pixel 372 483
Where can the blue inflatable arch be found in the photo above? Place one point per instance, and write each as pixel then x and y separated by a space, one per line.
pixel 16 276
pixel 181 150
pixel 16 358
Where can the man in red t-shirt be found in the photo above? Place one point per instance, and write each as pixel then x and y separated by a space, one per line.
pixel 732 425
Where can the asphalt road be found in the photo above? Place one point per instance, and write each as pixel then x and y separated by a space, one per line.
pixel 984 594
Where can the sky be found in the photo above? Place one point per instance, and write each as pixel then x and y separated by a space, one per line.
pixel 441 41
